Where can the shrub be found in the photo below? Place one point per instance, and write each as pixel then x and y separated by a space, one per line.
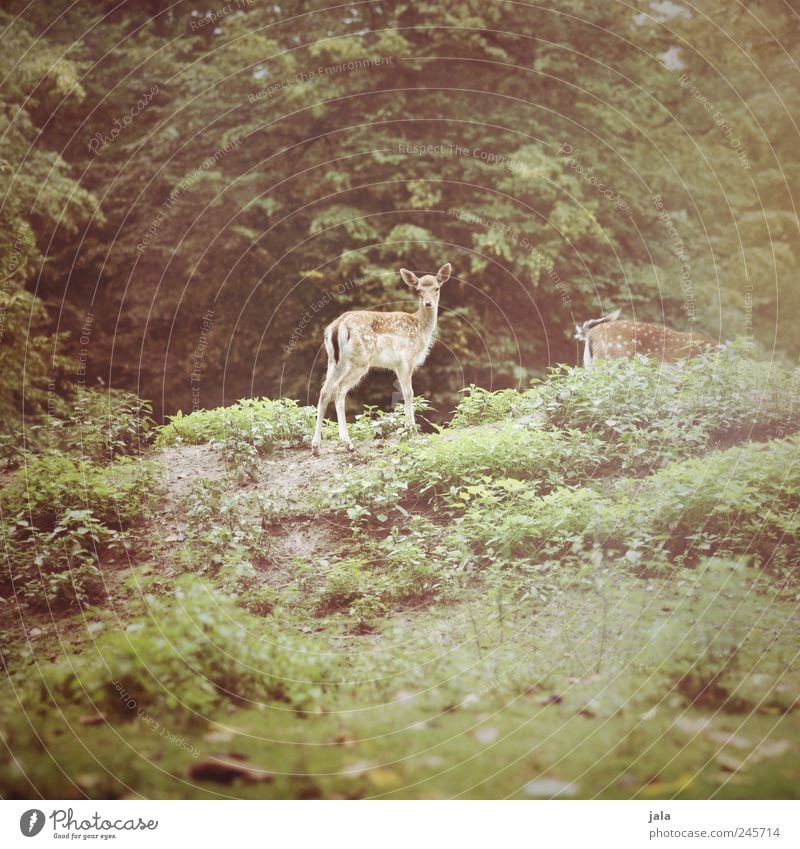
pixel 61 515
pixel 108 424
pixel 480 406
pixel 58 568
pixel 739 501
pixel 656 415
pixel 196 652
pixel 225 533
pixel 47 486
pixel 446 468
pixel 263 420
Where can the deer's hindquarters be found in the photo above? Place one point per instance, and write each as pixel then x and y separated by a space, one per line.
pixel 628 338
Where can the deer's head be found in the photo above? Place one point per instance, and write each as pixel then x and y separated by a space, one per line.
pixel 428 285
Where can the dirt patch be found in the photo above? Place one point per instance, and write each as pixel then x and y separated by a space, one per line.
pixel 184 464
pixel 293 478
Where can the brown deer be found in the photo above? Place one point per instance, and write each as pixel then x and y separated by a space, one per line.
pixel 363 339
pixel 607 337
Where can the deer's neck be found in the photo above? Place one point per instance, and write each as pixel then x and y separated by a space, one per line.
pixel 426 319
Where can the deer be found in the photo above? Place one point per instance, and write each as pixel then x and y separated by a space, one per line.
pixel 607 337
pixel 359 340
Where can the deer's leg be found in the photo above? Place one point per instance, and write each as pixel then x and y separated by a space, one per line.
pixel 325 395
pixel 341 387
pixel 587 355
pixel 404 376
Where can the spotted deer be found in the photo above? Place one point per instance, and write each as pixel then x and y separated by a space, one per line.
pixel 608 337
pixel 360 340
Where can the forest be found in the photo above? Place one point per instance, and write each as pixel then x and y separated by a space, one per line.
pixel 568 582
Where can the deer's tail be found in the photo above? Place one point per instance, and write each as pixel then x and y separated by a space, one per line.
pixel 335 336
pixel 583 329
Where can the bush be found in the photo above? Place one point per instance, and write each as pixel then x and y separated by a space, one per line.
pixel 480 406
pixel 742 501
pixel 448 468
pixel 61 515
pixel 225 532
pixel 47 486
pixel 58 568
pixel 196 652
pixel 261 420
pixel 109 424
pixel 656 415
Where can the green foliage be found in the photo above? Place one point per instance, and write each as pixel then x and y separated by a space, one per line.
pixel 649 416
pixel 58 568
pixel 257 422
pixel 61 517
pixel 480 406
pixel 108 424
pixel 392 578
pixel 451 467
pixel 193 653
pixel 719 396
pixel 226 536
pixel 739 502
pixel 118 494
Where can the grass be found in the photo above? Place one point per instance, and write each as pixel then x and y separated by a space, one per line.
pixel 588 588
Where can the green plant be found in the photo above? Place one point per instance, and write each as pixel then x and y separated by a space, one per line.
pixel 59 568
pixel 260 420
pixel 106 424
pixel 225 535
pixel 194 652
pixel 118 494
pixel 260 601
pixel 654 415
pixel 446 470
pixel 743 501
pixel 480 406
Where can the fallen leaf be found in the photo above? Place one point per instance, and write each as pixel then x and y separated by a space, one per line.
pixel 358 768
pixel 87 780
pixel 486 734
pixel 403 696
pixel 548 788
pixel 92 719
pixel 219 736
pixel 722 738
pixel 691 726
pixel 729 762
pixel 770 749
pixel 382 777
pixel 225 771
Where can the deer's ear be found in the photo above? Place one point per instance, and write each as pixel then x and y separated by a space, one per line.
pixel 444 273
pixel 409 278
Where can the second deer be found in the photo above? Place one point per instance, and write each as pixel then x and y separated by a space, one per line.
pixel 607 337
pixel 363 339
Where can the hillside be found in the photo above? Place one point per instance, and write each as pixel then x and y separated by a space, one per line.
pixel 588 589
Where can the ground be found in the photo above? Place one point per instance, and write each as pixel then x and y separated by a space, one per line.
pixel 563 693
